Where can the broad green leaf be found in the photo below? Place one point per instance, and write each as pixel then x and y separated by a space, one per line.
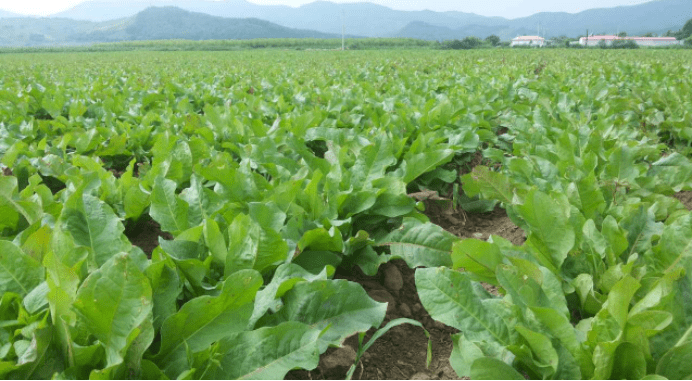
pixel 41 360
pixel 285 278
pixel 525 291
pixel 264 354
pixel 619 298
pixel 12 207
pixel 608 325
pixel 594 239
pixel 464 353
pixel 114 301
pixel 674 170
pixel 629 363
pixel 621 165
pixel 675 248
pixel 37 299
pixel 488 368
pixel 215 241
pixel 604 359
pixel 451 298
pixel 63 283
pixel 543 358
pixel 491 185
pixel 267 214
pixel 615 236
pixel 677 363
pixel 392 205
pixel 166 286
pixel 352 203
pixel 93 224
pixel 19 273
pixel 342 306
pixel 652 322
pixel 135 200
pixel 641 227
pixel 551 236
pixel 253 247
pixel 421 163
pixel 170 211
pixel 37 244
pixel 560 328
pixel 322 239
pixel 372 162
pixel 477 257
pixel 421 244
pixel 207 319
pixel 202 202
pixel 591 301
pixel 587 196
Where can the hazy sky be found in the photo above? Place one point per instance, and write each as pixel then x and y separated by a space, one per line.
pixel 505 8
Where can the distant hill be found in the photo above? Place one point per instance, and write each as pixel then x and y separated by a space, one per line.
pixel 363 19
pixel 654 16
pixel 29 31
pixel 163 23
pixel 155 23
pixel 367 19
pixel 427 31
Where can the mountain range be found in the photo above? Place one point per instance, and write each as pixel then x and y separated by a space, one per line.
pixel 154 23
pixel 104 20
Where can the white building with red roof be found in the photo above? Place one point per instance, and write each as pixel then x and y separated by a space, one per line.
pixel 528 41
pixel 641 41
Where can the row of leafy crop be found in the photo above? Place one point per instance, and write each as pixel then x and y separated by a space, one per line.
pixel 263 209
pixel 268 178
pixel 601 287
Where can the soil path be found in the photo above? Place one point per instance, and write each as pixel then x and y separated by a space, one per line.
pixel 401 352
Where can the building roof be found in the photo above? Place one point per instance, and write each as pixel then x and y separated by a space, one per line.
pixel 652 38
pixel 609 38
pixel 527 38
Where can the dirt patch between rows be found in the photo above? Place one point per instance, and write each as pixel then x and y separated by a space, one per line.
pixel 686 198
pixel 145 235
pixel 479 226
pixel 401 353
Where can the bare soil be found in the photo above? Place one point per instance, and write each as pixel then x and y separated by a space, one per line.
pixel 479 226
pixel 686 198
pixel 401 353
pixel 145 235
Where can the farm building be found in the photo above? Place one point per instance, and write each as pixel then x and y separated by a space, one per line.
pixel 528 41
pixel 641 41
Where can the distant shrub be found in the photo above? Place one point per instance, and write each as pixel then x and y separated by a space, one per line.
pixel 624 44
pixel 466 43
pixel 618 44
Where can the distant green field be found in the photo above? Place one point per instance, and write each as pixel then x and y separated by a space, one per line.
pixel 254 175
pixel 232 45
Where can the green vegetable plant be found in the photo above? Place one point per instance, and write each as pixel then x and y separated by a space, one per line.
pixel 259 177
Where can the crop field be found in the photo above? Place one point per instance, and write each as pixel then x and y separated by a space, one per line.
pixel 367 214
